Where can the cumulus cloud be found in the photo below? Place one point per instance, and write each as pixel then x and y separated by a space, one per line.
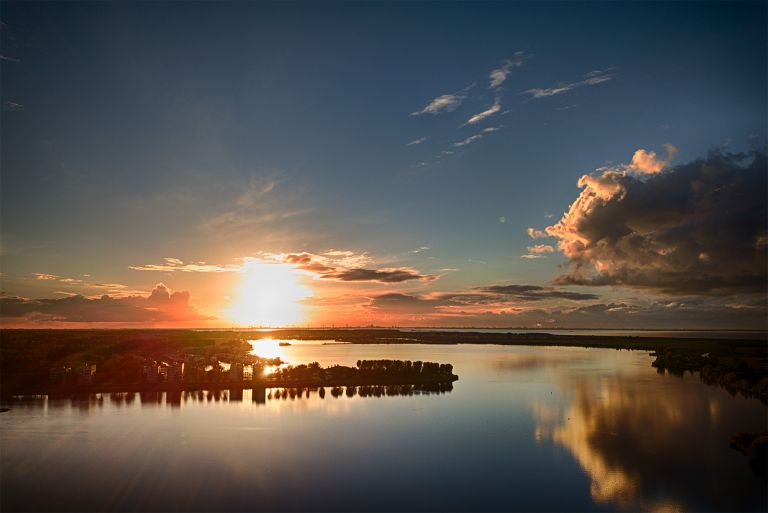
pixel 161 305
pixel 644 161
pixel 45 276
pixel 499 75
pixel 693 229
pixel 445 103
pixel 592 78
pixel 496 107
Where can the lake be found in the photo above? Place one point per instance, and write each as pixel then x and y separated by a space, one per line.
pixel 524 428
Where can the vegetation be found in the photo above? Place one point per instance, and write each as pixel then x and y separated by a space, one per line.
pixel 738 369
pixel 755 447
pixel 27 356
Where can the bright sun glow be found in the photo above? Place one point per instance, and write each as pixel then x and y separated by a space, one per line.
pixel 269 295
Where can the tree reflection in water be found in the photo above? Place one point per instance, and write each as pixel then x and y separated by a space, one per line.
pixel 259 396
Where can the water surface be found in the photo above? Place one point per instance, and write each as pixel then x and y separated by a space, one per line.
pixel 525 428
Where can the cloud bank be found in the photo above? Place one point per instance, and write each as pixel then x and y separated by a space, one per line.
pixel 161 305
pixel 492 297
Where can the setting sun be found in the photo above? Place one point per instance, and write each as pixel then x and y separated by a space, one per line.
pixel 269 295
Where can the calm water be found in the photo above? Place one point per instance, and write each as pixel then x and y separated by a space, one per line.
pixel 523 429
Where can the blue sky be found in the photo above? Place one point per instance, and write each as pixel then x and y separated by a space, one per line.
pixel 135 132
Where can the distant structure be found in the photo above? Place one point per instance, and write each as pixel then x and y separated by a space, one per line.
pixel 150 372
pixel 175 372
pixel 59 373
pixel 85 373
pixel 236 372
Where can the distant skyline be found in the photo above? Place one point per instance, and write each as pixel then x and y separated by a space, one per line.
pixel 197 164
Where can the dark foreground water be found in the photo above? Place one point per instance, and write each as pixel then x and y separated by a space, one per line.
pixel 523 429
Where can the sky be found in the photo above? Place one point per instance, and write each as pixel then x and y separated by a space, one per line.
pixel 503 164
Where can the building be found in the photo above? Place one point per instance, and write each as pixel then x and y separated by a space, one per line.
pixel 59 373
pixel 150 372
pixel 85 372
pixel 175 372
pixel 236 372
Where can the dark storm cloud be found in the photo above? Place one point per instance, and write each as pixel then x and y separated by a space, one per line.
pixel 160 306
pixel 698 228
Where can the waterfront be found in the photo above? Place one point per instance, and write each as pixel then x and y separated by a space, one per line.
pixel 600 426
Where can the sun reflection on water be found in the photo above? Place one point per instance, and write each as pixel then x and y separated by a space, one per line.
pixel 267 348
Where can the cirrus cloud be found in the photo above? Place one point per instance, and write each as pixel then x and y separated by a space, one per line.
pixel 445 103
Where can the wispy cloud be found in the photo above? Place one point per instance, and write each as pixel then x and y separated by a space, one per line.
pixel 537 234
pixel 499 75
pixel 496 107
pixel 254 191
pixel 469 140
pixel 538 251
pixel 13 106
pixel 477 137
pixel 176 265
pixel 541 248
pixel 417 141
pixel 592 78
pixel 445 103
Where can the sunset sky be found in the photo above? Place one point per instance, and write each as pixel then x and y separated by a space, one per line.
pixel 415 164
